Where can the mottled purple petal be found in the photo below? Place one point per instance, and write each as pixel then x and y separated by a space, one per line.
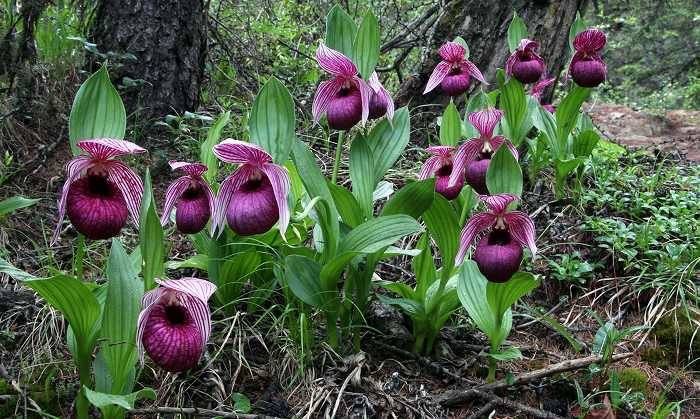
pixel 522 229
pixel 192 169
pixel 74 169
pixel 452 52
pixel 172 194
pixel 476 224
pixel 472 69
pixel 538 88
pixel 439 73
pixel 465 154
pixel 485 121
pixel 241 152
pixel 106 148
pixel 335 62
pixel 130 185
pixel 497 204
pixel 326 91
pixel 279 179
pixel 590 41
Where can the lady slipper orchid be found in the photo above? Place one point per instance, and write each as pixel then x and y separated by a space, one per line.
pixel 454 71
pixel 100 191
pixel 345 98
pixel 381 102
pixel 587 67
pixel 474 156
pixel 538 88
pixel 440 166
pixel 174 324
pixel 254 197
pixel 191 196
pixel 524 64
pixel 498 252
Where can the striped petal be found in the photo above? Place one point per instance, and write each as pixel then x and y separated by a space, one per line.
pixel 438 75
pixel 432 164
pixel 473 70
pixel 452 52
pixel 130 185
pixel 148 301
pixel 241 152
pixel 365 95
pixel 192 169
pixel 198 288
pixel 522 229
pixel 172 194
pixel 510 62
pixel 380 91
pixel 74 169
pixel 485 121
pixel 107 148
pixel 279 179
pixel 326 91
pixel 538 88
pixel 335 62
pixel 498 141
pixel 466 153
pixel 497 204
pixel 444 151
pixel 590 41
pixel 223 199
pixel 476 224
pixel 528 45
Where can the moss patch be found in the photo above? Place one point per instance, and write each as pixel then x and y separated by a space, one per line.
pixel 633 379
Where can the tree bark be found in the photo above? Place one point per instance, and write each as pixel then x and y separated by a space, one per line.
pixel 168 39
pixel 484 25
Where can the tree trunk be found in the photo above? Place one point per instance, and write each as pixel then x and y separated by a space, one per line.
pixel 484 25
pixel 168 39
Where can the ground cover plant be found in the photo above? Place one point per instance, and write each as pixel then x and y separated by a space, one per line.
pixel 298 253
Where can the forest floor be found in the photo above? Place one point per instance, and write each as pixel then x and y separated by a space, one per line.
pixel 252 355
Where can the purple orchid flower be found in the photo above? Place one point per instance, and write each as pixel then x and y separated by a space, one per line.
pixel 345 98
pixel 498 253
pixel 440 166
pixel 192 197
pixel 538 88
pixel 524 63
pixel 381 102
pixel 474 156
pixel 175 323
pixel 254 197
pixel 454 71
pixel 100 191
pixel 587 67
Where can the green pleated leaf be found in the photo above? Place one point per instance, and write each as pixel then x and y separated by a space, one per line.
pixel 501 296
pixel 443 224
pixel 14 272
pixel 387 141
pixel 413 308
pixel 413 199
pixel 577 27
pixel 584 143
pixel 516 31
pixel 366 45
pixel 451 126
pixel 150 236
pixel 362 174
pixel 14 203
pixel 567 113
pixel 126 401
pixel 513 102
pixel 235 271
pixel 340 30
pixel 562 168
pixel 424 267
pixel 199 261
pixel 121 312
pixel 206 152
pixel 397 287
pixel 272 120
pixel 546 124
pixel 507 354
pixel 347 205
pixel 303 278
pixel 504 174
pixel 97 112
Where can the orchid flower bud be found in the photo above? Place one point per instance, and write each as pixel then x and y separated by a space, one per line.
pixel 191 196
pixel 454 72
pixel 440 165
pixel 587 67
pixel 524 64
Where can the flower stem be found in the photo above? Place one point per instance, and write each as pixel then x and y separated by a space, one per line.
pixel 82 406
pixel 338 156
pixel 332 329
pixel 78 257
pixel 491 377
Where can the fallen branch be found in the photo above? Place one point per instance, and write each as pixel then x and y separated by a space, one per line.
pixel 197 412
pixel 517 406
pixel 432 366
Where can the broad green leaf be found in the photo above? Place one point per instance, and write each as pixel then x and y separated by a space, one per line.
pixel 463 43
pixel 562 330
pixel 567 113
pixel 241 403
pixel 199 261
pixel 508 354
pixel 150 236
pixel 102 400
pixel 121 312
pixel 14 203
pixel 413 199
pixel 397 287
pixel 443 224
pixel 516 31
pixel 424 267
pixel 315 185
pixel 584 143
pixel 546 124
pixel 340 30
pixel 234 272
pixel 451 126
pixel 303 278
pixel 97 112
pixel 347 205
pixel 577 27
pixel 362 175
pixel 272 120
pixel 14 272
pixel 366 45
pixel 206 152
pixel 504 174
pixel 413 308
pixel 383 190
pixel 78 305
pixel 477 102
pixel 501 296
pixel 513 102
pixel 388 141
pixel 562 168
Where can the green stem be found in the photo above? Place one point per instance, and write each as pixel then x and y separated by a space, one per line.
pixel 492 371
pixel 82 406
pixel 78 257
pixel 464 213
pixel 338 156
pixel 332 329
pixel 419 343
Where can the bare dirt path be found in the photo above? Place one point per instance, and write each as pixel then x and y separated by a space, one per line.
pixel 676 131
